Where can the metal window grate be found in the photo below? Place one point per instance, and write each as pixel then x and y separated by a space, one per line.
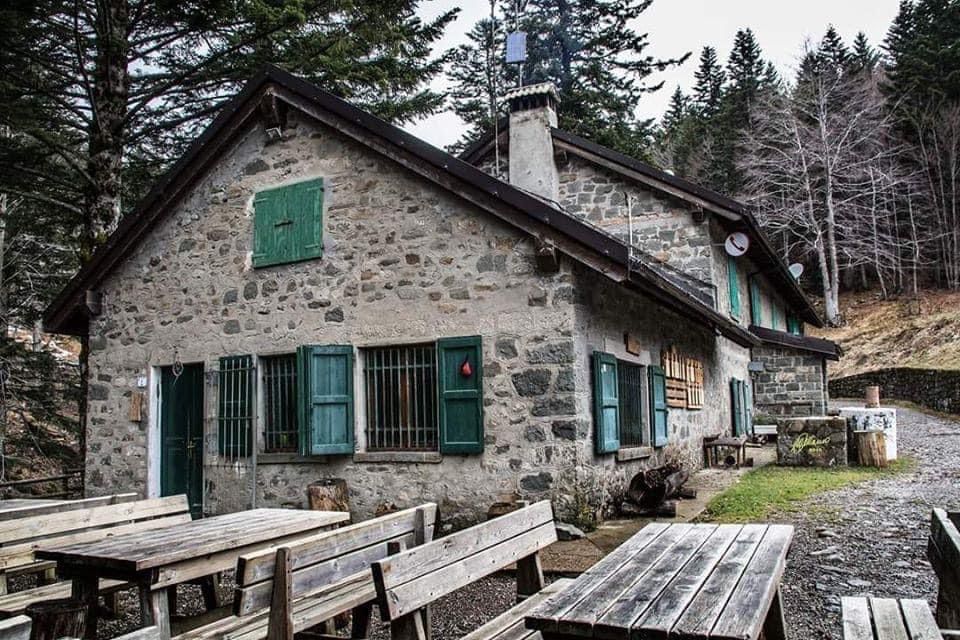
pixel 401 398
pixel 630 381
pixel 235 416
pixel 280 430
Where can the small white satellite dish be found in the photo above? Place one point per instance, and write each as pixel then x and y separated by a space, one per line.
pixel 737 244
pixel 516 47
pixel 796 270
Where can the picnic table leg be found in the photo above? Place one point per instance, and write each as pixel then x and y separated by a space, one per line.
pixel 211 597
pixel 774 627
pixel 86 590
pixel 154 610
pixel 360 626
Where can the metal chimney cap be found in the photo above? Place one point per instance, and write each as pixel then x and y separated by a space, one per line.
pixel 541 88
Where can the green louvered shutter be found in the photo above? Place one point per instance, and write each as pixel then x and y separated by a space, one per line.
pixel 756 304
pixel 747 408
pixel 235 395
pixel 288 223
pixel 461 395
pixel 775 316
pixel 606 400
pixel 658 405
pixel 794 325
pixel 326 409
pixel 733 284
pixel 736 406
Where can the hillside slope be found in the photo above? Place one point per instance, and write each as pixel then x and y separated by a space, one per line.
pixel 894 333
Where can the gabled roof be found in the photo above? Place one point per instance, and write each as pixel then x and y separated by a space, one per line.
pixel 68 313
pixel 736 213
pixel 831 350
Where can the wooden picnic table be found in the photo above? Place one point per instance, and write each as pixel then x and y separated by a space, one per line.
pixel 160 559
pixel 19 503
pixel 676 580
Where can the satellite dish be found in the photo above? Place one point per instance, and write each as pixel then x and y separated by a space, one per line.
pixel 736 244
pixel 796 270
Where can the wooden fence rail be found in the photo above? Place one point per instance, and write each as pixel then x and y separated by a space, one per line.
pixel 21 488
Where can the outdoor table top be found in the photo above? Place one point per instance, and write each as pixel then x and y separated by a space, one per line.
pixel 888 619
pixel 681 580
pixel 142 551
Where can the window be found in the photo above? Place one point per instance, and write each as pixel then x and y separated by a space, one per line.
pixel 631 380
pixel 279 381
pixel 235 400
pixel 288 224
pixel 400 384
pixel 756 304
pixel 733 284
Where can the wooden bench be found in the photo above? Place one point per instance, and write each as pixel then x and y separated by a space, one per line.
pixel 888 619
pixel 409 581
pixel 55 506
pixel 23 536
pixel 17 628
pixel 308 581
pixel 943 551
pixel 713 445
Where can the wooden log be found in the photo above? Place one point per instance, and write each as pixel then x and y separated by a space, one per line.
pixel 54 619
pixel 329 494
pixel 871 448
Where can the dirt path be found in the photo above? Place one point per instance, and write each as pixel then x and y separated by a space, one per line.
pixel 876 533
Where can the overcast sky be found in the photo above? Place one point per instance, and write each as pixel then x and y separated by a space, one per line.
pixel 678 26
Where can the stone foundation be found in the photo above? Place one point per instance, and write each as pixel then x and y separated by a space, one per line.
pixel 812 442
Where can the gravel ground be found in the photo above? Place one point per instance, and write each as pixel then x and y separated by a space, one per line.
pixel 869 539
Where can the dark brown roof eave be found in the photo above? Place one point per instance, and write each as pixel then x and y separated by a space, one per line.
pixel 821 346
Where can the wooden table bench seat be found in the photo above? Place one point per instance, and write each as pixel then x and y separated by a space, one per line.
pixel 409 581
pixel 888 619
pixel 296 586
pixel 510 625
pixel 70 523
pixel 943 552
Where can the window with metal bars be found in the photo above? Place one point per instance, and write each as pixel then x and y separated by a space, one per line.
pixel 280 428
pixel 235 399
pixel 400 384
pixel 630 379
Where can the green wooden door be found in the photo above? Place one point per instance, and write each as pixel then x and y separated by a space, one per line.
pixel 181 434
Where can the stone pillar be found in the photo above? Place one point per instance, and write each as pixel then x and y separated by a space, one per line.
pixel 532 115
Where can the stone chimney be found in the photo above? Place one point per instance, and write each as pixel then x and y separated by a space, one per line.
pixel 533 111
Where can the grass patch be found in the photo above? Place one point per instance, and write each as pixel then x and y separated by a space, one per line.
pixel 762 492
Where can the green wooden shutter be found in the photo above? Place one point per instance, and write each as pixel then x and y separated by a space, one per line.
pixel 736 406
pixel 606 401
pixel 325 376
pixel 794 325
pixel 288 223
pixel 235 406
pixel 461 396
pixel 733 284
pixel 775 316
pixel 748 408
pixel 756 304
pixel 658 405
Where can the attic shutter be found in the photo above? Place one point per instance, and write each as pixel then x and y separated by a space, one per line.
pixel 461 394
pixel 756 304
pixel 326 380
pixel 733 284
pixel 606 399
pixel 658 405
pixel 736 405
pixel 288 223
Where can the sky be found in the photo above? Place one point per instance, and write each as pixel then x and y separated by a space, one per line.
pixel 678 26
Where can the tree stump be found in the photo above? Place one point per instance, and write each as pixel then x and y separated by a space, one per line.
pixel 54 619
pixel 329 494
pixel 871 448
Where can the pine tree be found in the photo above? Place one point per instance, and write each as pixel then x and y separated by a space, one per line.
pixel 864 56
pixel 597 60
pixel 708 89
pixel 832 51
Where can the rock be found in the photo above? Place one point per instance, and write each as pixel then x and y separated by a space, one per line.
pixel 532 382
pixel 825 552
pixel 567 531
pixel 539 482
pixel 859 583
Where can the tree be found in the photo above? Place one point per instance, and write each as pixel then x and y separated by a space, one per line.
pixel 590 51
pixel 708 89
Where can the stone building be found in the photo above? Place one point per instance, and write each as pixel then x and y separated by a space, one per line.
pixel 311 292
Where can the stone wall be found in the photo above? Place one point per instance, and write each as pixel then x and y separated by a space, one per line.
pixel 793 382
pixel 403 262
pixel 812 442
pixel 936 389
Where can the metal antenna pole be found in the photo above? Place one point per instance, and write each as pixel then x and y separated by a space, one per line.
pixel 492 69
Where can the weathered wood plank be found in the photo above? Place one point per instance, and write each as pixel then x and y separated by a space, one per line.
pixel 664 612
pixel 698 620
pixel 887 621
pixel 919 620
pixel 744 615
pixel 147 633
pixel 15 603
pixel 943 551
pixel 17 628
pixel 546 616
pixel 617 621
pixel 856 619
pixel 58 506
pixel 512 619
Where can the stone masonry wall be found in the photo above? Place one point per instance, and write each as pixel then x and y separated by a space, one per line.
pixel 937 389
pixel 404 262
pixel 793 383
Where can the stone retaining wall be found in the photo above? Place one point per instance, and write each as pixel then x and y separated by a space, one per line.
pixel 935 389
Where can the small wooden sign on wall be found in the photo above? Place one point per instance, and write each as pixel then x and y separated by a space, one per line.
pixel 632 344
